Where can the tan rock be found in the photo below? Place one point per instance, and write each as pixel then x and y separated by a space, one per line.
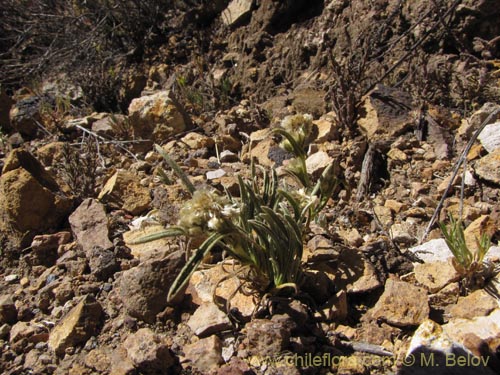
pixel 470 125
pixel 486 328
pixel 203 283
pixel 351 237
pixel 482 225
pixel 488 167
pixel 478 303
pixel 384 214
pixel 402 304
pixel 397 155
pixel 388 117
pixel 395 206
pixel 157 116
pixel 355 273
pixel 123 190
pixel 147 249
pixel 26 204
pixel 317 162
pixel 236 12
pixel 261 151
pixel 77 326
pixel 204 354
pixel 475 152
pixel 196 141
pixel 208 319
pixel 50 153
pixel 436 275
pixel 327 130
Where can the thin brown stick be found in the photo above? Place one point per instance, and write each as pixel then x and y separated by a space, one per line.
pixel 460 161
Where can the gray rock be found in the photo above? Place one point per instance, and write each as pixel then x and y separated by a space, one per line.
pixel 490 137
pixel 102 263
pixel 212 175
pixel 89 224
pixel 143 289
pixel 24 116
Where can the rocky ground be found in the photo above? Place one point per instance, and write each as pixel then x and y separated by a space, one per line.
pixel 396 89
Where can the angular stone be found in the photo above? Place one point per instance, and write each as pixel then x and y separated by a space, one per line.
pixel 484 224
pixel 261 150
pixel 490 137
pixel 436 275
pixel 50 153
pixel 157 116
pixel 432 251
pixel 143 289
pixel 387 113
pixel 431 340
pixel 227 156
pixel 486 328
pixel 103 263
pixel 124 190
pixel 208 319
pixel 121 364
pixel 355 273
pixel 470 125
pixel 204 354
pixel 196 141
pixel 29 204
pixel 327 129
pixel 77 326
pixel 148 249
pixel 24 116
pixel 488 167
pixel 112 126
pixel 148 351
pixel 394 205
pixel 478 303
pixel 89 224
pixel 203 282
pixel 236 12
pixel 317 162
pixel 8 311
pixel 401 304
pixel 265 336
pixel 213 175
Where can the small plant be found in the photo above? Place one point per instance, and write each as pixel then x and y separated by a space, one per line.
pixel 78 169
pixel 469 264
pixel 263 229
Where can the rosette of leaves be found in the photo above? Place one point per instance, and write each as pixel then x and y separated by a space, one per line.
pixel 471 265
pixel 263 229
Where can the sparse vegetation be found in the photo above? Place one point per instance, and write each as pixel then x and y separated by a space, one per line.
pixel 264 228
pixel 470 264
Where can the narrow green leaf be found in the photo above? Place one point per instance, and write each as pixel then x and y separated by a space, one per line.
pixel 178 171
pixel 192 265
pixel 169 232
